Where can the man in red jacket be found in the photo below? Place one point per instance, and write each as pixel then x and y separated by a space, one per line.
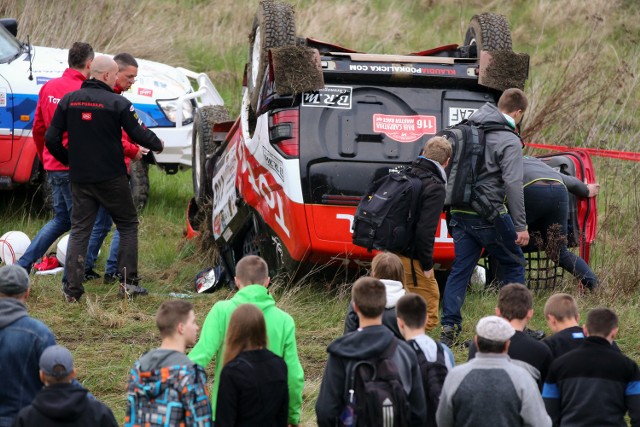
pixel 79 59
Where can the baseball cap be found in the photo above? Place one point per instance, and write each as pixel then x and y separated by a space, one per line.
pixel 494 328
pixel 14 280
pixel 56 356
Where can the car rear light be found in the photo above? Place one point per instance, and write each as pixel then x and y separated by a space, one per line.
pixel 283 132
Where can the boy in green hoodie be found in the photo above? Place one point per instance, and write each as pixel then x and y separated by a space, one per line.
pixel 252 279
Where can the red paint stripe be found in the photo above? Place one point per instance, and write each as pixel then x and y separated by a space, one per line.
pixel 612 154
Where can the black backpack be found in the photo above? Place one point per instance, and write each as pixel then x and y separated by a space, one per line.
pixel 386 215
pixel 468 143
pixel 433 375
pixel 376 397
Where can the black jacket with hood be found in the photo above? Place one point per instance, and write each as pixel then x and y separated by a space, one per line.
pixel 432 198
pixel 65 405
pixel 367 344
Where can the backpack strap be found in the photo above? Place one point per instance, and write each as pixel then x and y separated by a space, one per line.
pixel 416 189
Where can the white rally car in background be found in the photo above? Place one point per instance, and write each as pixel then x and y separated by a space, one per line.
pixel 165 99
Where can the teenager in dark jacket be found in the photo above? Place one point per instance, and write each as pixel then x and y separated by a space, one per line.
pixel 386 267
pixel 94 118
pixel 429 167
pixel 368 343
pixel 61 403
pixel 594 385
pixel 515 304
pixel 253 384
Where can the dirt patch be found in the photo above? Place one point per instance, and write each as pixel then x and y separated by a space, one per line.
pixel 297 69
pixel 503 69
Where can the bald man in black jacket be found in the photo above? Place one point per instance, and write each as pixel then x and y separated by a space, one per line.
pixel 94 117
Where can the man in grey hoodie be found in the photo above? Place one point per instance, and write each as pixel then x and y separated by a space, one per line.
pixel 22 342
pixel 500 229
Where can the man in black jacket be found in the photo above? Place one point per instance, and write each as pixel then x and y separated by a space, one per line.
pixel 369 343
pixel 515 305
pixel 429 167
pixel 60 403
pixel 94 117
pixel 594 384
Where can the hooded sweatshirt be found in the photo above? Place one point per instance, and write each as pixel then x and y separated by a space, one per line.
pixel 501 175
pixel 22 341
pixel 165 383
pixel 281 334
pixel 395 290
pixel 65 405
pixel 367 344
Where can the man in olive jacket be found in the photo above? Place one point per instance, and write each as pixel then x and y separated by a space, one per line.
pixel 252 279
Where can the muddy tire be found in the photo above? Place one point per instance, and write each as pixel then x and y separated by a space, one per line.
pixel 488 31
pixel 139 184
pixel 273 26
pixel 203 145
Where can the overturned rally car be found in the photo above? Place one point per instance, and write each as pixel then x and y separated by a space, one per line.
pixel 285 177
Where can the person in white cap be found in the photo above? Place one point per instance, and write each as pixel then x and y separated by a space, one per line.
pixel 490 390
pixel 22 341
pixel 61 403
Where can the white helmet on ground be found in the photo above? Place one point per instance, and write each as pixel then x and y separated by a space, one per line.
pixel 13 244
pixel 61 249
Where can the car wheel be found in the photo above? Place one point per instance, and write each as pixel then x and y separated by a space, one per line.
pixel 203 145
pixel 273 26
pixel 139 183
pixel 488 31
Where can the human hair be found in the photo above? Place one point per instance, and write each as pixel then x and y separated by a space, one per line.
pixel 170 314
pixel 515 301
pixel 370 295
pixel 562 307
pixel 512 100
pixel 247 331
pixel 387 265
pixel 412 309
pixel 79 54
pixel 601 321
pixel 50 379
pixel 125 60
pixel 437 149
pixel 252 270
pixel 490 346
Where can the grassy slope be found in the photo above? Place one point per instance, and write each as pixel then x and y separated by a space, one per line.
pixel 564 38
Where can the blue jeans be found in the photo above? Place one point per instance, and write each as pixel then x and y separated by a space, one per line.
pixel 547 206
pixel 60 224
pixel 100 230
pixel 472 233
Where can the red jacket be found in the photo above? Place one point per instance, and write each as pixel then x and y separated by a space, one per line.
pixel 48 99
pixel 130 149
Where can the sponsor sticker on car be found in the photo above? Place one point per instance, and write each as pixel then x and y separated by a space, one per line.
pixel 404 128
pixel 329 97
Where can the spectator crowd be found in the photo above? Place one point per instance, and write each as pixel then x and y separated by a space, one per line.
pixel 384 371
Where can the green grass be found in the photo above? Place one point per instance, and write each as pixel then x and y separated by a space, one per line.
pixel 595 41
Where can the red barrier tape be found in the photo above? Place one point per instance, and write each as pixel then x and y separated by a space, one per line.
pixel 612 154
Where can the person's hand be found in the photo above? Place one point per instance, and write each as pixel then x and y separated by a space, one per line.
pixel 428 273
pixel 141 152
pixel 522 238
pixel 594 189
